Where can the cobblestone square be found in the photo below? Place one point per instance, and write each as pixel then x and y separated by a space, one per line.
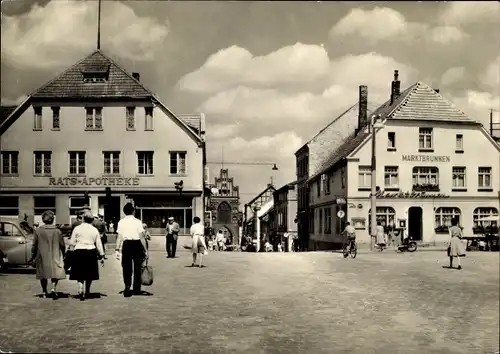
pixel 267 303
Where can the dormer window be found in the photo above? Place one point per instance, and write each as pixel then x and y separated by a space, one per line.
pixel 95 73
pixel 95 77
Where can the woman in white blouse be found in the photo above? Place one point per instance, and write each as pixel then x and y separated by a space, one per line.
pixel 87 250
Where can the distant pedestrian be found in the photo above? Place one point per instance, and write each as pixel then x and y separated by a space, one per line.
pixel 173 229
pixel 198 246
pixel 380 236
pixel 100 225
pixel 147 235
pixel 456 248
pixel 219 239
pixel 48 254
pixel 87 251
pixel 130 247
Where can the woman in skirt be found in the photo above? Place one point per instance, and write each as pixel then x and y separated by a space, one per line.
pixel 456 247
pixel 87 246
pixel 199 248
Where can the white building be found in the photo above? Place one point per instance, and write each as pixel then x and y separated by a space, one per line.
pixel 433 163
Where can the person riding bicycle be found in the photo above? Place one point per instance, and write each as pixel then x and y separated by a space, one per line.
pixel 350 234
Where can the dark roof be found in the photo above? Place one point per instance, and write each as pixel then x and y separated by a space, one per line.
pixel 5 111
pixel 192 120
pixel 70 84
pixel 261 193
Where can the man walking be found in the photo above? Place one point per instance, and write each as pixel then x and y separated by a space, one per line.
pixel 173 229
pixel 130 248
pixel 100 225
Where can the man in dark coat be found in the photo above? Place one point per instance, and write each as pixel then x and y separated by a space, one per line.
pixel 100 225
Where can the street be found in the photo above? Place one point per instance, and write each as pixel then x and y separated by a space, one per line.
pixel 267 303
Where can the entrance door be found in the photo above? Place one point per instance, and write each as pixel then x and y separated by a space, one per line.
pixel 415 223
pixel 111 210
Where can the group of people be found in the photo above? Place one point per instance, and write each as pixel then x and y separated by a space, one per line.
pixel 81 256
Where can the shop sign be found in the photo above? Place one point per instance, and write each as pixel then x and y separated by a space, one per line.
pixel 425 158
pixel 411 195
pixel 341 201
pixel 94 181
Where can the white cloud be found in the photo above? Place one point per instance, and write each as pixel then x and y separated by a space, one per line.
pixel 477 105
pixel 447 34
pixel 453 75
pixel 237 66
pixel 491 77
pixel 220 131
pixel 465 12
pixel 338 88
pixel 386 24
pixel 64 31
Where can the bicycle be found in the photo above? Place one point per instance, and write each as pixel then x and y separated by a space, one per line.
pixel 353 249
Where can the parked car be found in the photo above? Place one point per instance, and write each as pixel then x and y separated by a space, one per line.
pixel 16 240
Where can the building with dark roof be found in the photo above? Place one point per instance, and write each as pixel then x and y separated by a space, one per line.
pixel 95 134
pixel 283 225
pixel 433 163
pixel 257 213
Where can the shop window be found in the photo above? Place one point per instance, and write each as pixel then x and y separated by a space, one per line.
pixel 425 179
pixel 485 220
pixel 9 206
pixel 43 204
pixel 443 217
pixel 385 215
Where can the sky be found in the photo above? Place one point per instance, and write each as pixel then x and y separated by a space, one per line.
pixel 267 75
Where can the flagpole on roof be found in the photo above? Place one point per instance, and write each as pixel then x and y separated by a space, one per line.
pixel 99 26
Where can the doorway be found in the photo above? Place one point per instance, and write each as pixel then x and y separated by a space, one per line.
pixel 111 208
pixel 415 223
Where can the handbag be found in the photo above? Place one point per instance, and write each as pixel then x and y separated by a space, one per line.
pixel 147 275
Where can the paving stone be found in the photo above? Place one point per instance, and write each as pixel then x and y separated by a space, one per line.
pixel 267 303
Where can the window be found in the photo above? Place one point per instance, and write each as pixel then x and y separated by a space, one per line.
pixel 391 176
pixel 484 177
pixel 56 123
pixel 43 163
pixel 10 162
pixel 459 143
pixel 385 215
pixel 458 177
pixel 425 179
pixel 425 138
pixel 365 177
pixel 37 120
pixel 326 184
pixel 77 162
pixel 391 141
pixel 94 118
pixel 177 163
pixel 130 115
pixel 9 205
pixel 328 220
pixel 311 221
pixel 480 226
pixel 111 162
pixel 42 204
pixel 318 188
pixel 94 78
pixel 145 162
pixel 148 124
pixel 9 229
pixel 320 225
pixel 443 217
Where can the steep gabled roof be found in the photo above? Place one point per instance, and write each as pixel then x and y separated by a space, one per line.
pixel 192 120
pixel 71 84
pixel 269 187
pixel 5 111
pixel 421 102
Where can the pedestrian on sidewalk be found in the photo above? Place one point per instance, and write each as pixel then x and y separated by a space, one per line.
pixel 456 248
pixel 380 236
pixel 198 246
pixel 87 251
pixel 48 254
pixel 173 229
pixel 131 249
pixel 100 225
pixel 220 240
pixel 147 235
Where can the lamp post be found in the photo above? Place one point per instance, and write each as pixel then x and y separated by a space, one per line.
pixel 257 227
pixel 375 123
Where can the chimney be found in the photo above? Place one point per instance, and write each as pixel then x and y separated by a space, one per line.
pixel 436 90
pixel 395 87
pixel 363 107
pixel 136 76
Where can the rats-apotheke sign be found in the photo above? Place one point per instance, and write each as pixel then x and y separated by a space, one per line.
pixel 93 181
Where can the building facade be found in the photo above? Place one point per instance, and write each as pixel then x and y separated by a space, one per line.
pixel 285 218
pixel 95 135
pixel 223 206
pixel 258 213
pixel 427 172
pixel 312 157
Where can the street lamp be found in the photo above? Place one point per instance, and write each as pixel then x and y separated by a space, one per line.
pixel 375 124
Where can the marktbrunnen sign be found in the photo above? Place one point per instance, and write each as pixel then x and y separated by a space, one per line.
pixel 94 181
pixel 425 158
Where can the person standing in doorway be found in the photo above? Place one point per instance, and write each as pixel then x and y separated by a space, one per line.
pixel 199 247
pixel 130 248
pixel 173 229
